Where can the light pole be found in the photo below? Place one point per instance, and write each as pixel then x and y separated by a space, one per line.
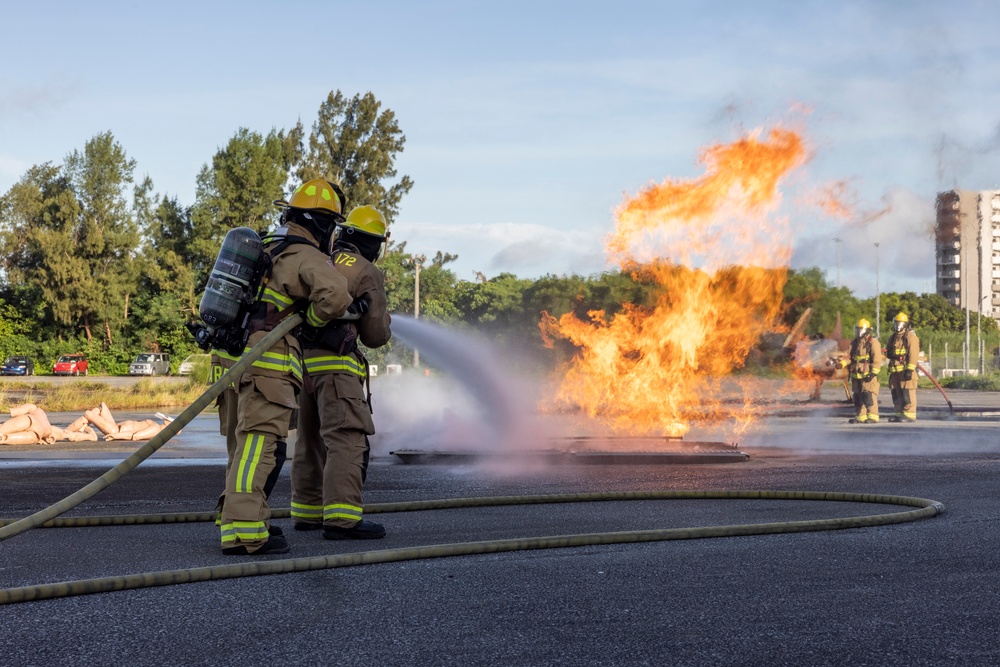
pixel 963 267
pixel 878 299
pixel 979 335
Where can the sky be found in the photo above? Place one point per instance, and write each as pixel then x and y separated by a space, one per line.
pixel 528 123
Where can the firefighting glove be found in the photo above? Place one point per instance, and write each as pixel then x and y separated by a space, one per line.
pixel 907 375
pixel 358 307
pixel 869 377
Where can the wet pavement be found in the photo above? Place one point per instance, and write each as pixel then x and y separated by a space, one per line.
pixel 920 593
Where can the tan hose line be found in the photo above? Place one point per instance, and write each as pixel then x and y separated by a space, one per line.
pixel 170 430
pixel 926 508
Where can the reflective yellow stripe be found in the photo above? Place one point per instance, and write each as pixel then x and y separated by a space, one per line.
pixel 276 298
pixel 245 531
pixel 342 511
pixel 911 367
pixel 284 363
pixel 252 450
pixel 313 319
pixel 225 355
pixel 307 511
pixel 335 363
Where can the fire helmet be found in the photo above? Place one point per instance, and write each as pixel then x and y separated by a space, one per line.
pixel 900 322
pixel 316 204
pixel 365 228
pixel 316 196
pixel 862 327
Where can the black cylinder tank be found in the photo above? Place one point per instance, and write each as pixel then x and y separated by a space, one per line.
pixel 233 281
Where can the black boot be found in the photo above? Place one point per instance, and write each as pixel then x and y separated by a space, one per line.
pixel 276 544
pixel 362 530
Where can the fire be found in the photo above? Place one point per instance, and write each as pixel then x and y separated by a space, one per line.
pixel 717 252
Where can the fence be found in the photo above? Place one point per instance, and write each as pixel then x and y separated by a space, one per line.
pixel 948 359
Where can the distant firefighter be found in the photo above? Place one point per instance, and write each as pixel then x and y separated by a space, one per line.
pixel 863 366
pixel 903 351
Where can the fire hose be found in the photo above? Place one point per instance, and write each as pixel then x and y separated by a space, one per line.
pixel 951 408
pixel 158 440
pixel 925 509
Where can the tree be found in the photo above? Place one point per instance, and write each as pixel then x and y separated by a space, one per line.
pixel 70 234
pixel 238 190
pixel 107 232
pixel 355 146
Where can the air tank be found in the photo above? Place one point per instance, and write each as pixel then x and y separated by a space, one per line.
pixel 233 281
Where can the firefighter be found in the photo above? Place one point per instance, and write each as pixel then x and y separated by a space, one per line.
pixel 903 351
pixel 302 277
pixel 863 366
pixel 331 455
pixel 221 362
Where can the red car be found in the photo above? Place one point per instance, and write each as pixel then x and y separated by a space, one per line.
pixel 70 364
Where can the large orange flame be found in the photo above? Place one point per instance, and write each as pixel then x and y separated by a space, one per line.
pixel 718 253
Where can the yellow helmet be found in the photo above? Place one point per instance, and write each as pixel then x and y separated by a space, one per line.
pixel 901 322
pixel 902 318
pixel 317 196
pixel 367 219
pixel 862 327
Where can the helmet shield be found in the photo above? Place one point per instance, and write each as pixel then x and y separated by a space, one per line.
pixel 862 328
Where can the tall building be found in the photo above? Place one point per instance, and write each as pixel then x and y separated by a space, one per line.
pixel 967 250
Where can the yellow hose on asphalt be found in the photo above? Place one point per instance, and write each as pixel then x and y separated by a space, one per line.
pixel 170 430
pixel 927 508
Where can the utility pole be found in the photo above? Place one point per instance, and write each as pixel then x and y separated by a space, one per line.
pixel 418 262
pixel 878 299
pixel 965 297
pixel 836 252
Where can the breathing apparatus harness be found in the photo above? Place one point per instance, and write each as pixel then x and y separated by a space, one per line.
pixel 232 307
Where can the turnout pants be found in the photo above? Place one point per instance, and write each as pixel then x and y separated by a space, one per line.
pixel 904 395
pixel 865 399
pixel 331 451
pixel 264 408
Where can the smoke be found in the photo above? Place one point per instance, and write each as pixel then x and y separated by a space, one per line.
pixel 463 401
pixel 902 225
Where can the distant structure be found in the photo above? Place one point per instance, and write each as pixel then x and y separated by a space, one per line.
pixel 967 250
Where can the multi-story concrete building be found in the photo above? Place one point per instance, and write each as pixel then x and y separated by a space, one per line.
pixel 968 250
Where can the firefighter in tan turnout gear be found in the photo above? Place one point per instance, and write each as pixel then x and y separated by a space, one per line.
pixel 903 351
pixel 335 419
pixel 862 367
pixel 302 278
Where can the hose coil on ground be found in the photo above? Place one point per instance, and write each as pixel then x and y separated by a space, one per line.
pixel 925 509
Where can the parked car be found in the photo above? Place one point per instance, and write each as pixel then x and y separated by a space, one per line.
pixel 18 366
pixel 150 363
pixel 70 364
pixel 187 366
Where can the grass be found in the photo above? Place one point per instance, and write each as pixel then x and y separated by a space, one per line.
pixel 988 382
pixel 83 395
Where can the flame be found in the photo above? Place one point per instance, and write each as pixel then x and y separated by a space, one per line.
pixel 717 253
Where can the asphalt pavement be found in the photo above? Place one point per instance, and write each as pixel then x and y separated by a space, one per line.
pixel 918 593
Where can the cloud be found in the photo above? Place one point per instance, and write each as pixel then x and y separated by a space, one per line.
pixel 903 261
pixel 30 100
pixel 526 249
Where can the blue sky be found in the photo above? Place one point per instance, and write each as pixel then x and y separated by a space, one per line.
pixel 528 122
